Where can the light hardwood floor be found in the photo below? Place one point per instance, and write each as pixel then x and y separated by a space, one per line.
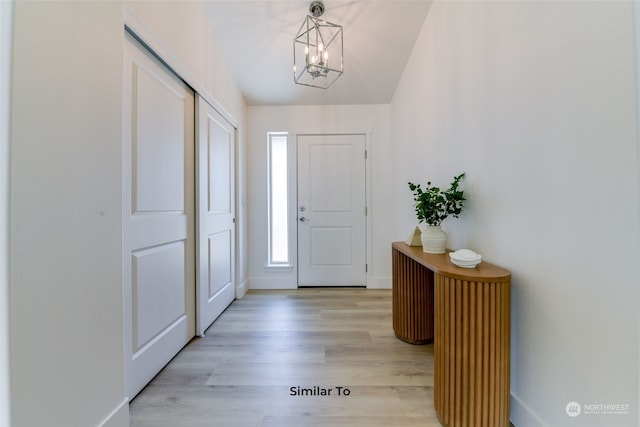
pixel 241 373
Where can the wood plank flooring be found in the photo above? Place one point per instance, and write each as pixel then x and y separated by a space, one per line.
pixel 241 374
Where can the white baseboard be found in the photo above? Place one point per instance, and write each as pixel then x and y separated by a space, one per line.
pixel 242 290
pixel 523 416
pixel 379 283
pixel 119 417
pixel 267 283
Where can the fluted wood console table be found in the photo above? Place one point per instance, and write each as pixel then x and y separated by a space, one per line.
pixel 470 324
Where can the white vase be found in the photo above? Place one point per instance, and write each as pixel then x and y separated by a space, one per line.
pixel 434 240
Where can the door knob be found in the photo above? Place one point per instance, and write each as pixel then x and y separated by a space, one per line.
pixel 303 219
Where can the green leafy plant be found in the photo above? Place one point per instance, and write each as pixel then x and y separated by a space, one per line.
pixel 434 205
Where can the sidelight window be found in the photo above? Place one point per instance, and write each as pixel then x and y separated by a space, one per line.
pixel 278 199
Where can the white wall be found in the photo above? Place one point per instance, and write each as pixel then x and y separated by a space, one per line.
pixel 535 101
pixel 6 38
pixel 66 279
pixel 636 30
pixel 372 120
pixel 66 304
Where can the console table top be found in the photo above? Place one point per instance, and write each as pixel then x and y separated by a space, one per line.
pixel 441 264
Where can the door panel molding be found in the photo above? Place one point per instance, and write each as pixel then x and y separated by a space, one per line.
pixel 163 103
pixel 156 270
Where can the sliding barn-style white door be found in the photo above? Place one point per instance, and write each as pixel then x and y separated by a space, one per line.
pixel 158 216
pixel 216 215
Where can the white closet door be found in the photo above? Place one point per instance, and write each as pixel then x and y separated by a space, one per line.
pixel 216 215
pixel 158 216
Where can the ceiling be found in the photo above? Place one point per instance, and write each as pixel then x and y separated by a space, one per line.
pixel 257 37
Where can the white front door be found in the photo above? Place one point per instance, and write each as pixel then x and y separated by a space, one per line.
pixel 216 215
pixel 331 210
pixel 158 216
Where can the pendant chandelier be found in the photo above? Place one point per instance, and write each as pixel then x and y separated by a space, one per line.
pixel 317 50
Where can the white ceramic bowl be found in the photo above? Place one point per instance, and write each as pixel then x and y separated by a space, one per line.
pixel 462 264
pixel 465 254
pixel 465 258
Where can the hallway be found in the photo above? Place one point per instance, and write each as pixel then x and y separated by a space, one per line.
pixel 308 357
